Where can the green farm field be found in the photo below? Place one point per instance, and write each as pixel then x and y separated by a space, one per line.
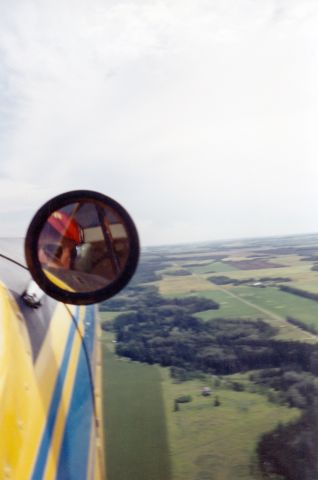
pixel 180 286
pixel 229 307
pixel 268 305
pixel 146 437
pixel 310 284
pixel 135 428
pixel 299 272
pixel 218 443
pixel 213 267
pixel 283 303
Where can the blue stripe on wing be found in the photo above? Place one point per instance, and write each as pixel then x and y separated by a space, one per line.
pixel 41 460
pixel 73 461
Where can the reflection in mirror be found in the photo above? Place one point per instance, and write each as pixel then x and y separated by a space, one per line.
pixel 84 246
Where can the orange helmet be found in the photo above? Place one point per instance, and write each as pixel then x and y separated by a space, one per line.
pixel 67 226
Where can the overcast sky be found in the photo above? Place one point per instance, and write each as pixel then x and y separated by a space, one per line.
pixel 199 116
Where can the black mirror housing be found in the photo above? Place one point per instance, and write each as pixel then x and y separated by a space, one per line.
pixel 82 247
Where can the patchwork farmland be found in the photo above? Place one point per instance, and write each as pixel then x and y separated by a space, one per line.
pixel 254 346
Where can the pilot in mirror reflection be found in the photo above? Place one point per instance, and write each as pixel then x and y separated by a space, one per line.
pixel 59 242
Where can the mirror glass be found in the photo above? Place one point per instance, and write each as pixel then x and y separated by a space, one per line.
pixel 83 246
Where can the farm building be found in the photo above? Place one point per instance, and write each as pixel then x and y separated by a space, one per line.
pixel 206 391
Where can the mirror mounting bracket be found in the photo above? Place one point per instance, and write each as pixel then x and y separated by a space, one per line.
pixel 32 295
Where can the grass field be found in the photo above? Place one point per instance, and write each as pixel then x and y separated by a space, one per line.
pixel 283 303
pixel 263 307
pixel 135 426
pixel 145 438
pixel 218 443
pixel 217 267
pixel 180 286
pixel 229 307
pixel 310 284
pixel 268 303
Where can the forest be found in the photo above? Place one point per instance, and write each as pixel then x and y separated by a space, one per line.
pixel 141 298
pixel 159 330
pixel 171 337
pixel 164 331
pixel 290 451
pixel 299 292
pixel 224 280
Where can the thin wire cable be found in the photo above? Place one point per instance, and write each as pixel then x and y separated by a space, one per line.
pixel 14 261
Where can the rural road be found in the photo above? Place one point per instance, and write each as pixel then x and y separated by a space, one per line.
pixel 281 321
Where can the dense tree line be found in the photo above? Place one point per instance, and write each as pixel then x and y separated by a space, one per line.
pixel 290 451
pixel 178 273
pixel 197 264
pixel 147 298
pixel 298 323
pixel 147 271
pixel 301 251
pixel 182 374
pixel 133 298
pixel 172 337
pixel 311 258
pixel 224 280
pixel 275 279
pixel 299 292
pixel 221 280
pixel 148 268
pixel 194 304
pixel 216 257
pixel 294 387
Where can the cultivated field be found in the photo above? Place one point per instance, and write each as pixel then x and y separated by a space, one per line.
pixel 136 433
pixel 200 440
pixel 217 443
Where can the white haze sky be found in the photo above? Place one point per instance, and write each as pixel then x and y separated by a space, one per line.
pixel 199 116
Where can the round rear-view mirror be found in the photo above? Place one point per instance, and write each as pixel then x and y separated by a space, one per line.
pixel 82 247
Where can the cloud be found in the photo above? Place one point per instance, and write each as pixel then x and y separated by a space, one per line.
pixel 188 112
pixel 18 203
